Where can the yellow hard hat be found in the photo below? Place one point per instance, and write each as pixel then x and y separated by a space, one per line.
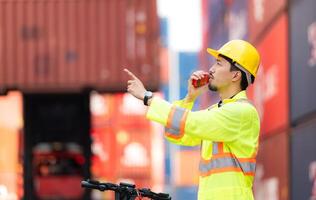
pixel 241 52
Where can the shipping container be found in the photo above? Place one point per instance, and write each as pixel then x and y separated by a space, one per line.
pixel 303 161
pixel 164 67
pixel 223 21
pixel 133 150
pixel 303 59
pixel 164 32
pixel 57 46
pixel 9 165
pixel 272 171
pixel 215 29
pixel 217 23
pixel 226 20
pixel 237 19
pixel 133 140
pixel 188 63
pixel 103 161
pixel 262 14
pixel 125 146
pixel 10 135
pixel 57 145
pixel 186 161
pixel 203 62
pixel 270 89
pixel 186 192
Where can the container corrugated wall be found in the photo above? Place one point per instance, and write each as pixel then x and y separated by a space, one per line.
pixel 285 34
pixel 261 15
pixel 303 60
pixel 303 161
pixel 60 45
pixel 272 170
pixel 270 89
pixel 303 108
pixel 223 21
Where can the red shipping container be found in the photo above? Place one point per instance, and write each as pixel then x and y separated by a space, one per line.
pixel 52 187
pixel 134 149
pixel 164 64
pixel 49 46
pixel 261 14
pixel 103 149
pixel 271 180
pixel 270 90
pixel 122 144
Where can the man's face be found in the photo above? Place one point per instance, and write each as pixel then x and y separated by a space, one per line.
pixel 221 76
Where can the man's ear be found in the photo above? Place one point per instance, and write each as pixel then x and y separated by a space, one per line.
pixel 236 76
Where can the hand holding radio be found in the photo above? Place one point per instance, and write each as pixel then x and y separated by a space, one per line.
pixel 201 81
pixel 197 84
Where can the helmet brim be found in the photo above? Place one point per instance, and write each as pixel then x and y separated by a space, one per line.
pixel 213 52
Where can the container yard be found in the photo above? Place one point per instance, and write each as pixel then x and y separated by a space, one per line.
pixel 69 112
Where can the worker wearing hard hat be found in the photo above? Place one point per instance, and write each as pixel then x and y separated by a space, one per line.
pixel 228 131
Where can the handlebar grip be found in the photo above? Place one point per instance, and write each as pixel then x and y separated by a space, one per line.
pixel 163 195
pixel 86 184
pixel 146 192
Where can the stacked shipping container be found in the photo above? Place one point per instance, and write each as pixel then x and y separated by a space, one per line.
pixel 11 177
pixel 270 95
pixel 56 145
pixel 303 161
pixel 283 90
pixel 125 145
pixel 53 51
pixel 303 108
pixel 53 46
pixel 178 160
pixel 270 90
pixel 224 20
pixel 185 158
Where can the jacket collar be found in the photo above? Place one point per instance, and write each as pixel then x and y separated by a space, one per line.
pixel 241 95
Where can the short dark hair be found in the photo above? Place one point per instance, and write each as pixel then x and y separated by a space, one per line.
pixel 244 82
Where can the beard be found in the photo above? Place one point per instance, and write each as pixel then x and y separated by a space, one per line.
pixel 212 87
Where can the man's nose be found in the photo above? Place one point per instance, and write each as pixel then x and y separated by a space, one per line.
pixel 211 70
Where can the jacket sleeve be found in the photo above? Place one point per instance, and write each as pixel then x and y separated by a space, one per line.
pixel 157 115
pixel 222 124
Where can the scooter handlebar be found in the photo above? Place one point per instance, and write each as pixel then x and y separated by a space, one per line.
pixel 124 187
pixel 89 185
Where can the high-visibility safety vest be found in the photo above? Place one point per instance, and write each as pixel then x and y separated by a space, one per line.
pixel 228 136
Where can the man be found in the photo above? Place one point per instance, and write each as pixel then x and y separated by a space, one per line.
pixel 228 132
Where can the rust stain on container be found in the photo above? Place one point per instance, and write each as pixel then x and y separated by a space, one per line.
pixel 65 45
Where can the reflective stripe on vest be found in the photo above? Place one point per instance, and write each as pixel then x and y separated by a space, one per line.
pixel 217 148
pixel 176 122
pixel 227 163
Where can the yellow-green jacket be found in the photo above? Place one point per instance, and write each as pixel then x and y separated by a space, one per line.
pixel 228 136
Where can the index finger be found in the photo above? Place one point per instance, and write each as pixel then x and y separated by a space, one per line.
pixel 131 74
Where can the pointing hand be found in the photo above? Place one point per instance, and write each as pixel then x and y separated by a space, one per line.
pixel 135 86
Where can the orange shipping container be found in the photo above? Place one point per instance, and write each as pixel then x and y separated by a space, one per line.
pixel 49 45
pixel 186 161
